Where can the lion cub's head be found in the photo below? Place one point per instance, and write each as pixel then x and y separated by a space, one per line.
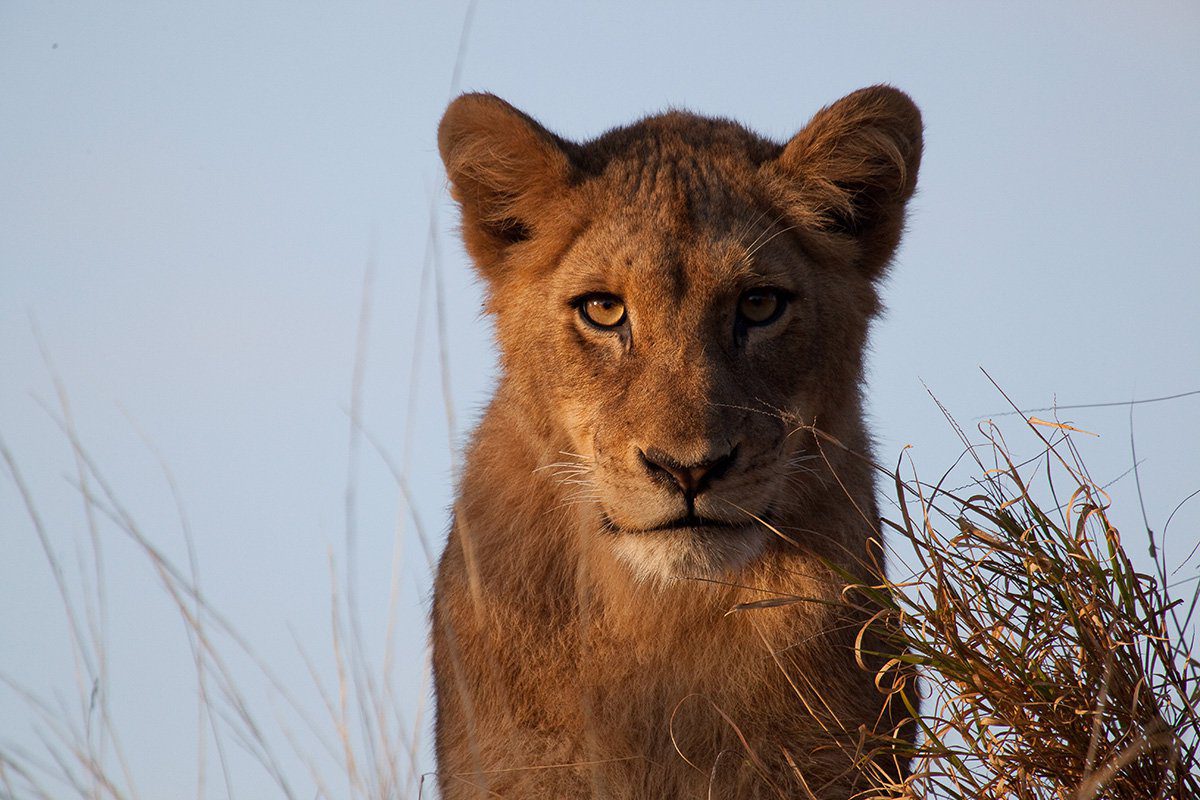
pixel 674 296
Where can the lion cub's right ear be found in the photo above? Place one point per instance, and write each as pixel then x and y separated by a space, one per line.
pixel 504 169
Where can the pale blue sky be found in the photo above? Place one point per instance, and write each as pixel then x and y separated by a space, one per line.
pixel 189 197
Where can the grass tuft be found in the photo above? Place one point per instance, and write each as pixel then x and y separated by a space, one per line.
pixel 1051 666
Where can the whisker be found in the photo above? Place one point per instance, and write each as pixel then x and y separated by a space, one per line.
pixel 771 239
pixel 770 412
pixel 563 464
pixel 570 473
pixel 745 229
pixel 752 249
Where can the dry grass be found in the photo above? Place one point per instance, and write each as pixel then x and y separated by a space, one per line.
pixel 359 747
pixel 1052 668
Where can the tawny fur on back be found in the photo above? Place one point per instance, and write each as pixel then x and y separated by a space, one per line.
pixel 586 642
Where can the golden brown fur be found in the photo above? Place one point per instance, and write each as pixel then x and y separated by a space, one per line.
pixel 584 645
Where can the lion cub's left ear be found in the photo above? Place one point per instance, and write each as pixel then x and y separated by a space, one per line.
pixel 505 170
pixel 851 171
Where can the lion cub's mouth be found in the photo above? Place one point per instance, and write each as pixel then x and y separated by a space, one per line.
pixel 690 522
pixel 693 522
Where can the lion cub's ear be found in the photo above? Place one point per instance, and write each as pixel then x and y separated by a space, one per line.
pixel 853 168
pixel 504 168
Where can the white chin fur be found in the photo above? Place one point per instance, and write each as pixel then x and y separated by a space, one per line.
pixel 670 555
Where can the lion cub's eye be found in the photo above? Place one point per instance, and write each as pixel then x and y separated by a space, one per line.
pixel 760 306
pixel 603 310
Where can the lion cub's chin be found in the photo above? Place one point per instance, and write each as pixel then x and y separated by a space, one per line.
pixel 679 554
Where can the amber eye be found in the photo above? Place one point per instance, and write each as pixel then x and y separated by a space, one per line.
pixel 760 306
pixel 603 310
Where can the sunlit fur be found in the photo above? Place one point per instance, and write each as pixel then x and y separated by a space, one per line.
pixel 580 649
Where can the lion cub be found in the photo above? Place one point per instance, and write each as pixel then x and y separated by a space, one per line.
pixel 679 304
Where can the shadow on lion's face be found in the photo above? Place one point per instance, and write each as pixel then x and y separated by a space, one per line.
pixel 674 301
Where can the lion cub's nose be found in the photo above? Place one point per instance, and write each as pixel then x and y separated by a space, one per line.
pixel 690 478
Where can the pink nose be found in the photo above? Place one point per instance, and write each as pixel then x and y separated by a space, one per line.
pixel 690 478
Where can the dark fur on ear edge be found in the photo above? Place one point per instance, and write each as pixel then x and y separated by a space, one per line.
pixel 503 167
pixel 849 173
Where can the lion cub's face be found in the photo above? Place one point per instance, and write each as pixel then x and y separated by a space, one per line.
pixel 681 348
pixel 675 297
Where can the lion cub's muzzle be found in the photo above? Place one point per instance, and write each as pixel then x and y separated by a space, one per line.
pixel 655 490
pixel 675 518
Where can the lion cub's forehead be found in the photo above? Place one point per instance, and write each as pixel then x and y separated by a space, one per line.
pixel 675 241
pixel 631 253
pixel 676 210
